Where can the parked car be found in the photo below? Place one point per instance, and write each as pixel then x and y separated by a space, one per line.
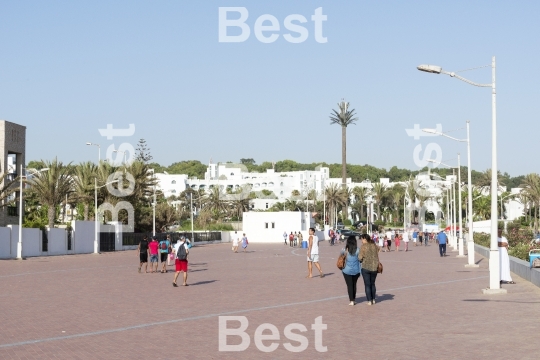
pixel 340 225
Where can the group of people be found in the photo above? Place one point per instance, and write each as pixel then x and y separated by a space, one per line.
pixel 153 251
pixel 294 239
pixel 335 236
pixel 363 261
pixel 236 241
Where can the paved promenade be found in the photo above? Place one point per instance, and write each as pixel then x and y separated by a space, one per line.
pixel 99 307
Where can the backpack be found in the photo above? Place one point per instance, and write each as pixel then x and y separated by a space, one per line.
pixel 181 254
pixel 536 263
pixel 163 245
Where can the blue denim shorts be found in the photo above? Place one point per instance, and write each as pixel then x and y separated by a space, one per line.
pixel 153 258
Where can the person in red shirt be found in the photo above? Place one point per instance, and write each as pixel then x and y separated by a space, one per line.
pixel 153 247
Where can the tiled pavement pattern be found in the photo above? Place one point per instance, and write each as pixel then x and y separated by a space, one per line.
pixel 99 307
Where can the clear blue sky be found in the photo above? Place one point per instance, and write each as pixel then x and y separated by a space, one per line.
pixel 68 68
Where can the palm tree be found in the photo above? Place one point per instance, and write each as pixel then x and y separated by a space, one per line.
pixel 484 182
pixel 380 191
pixel 7 189
pixel 397 193
pixel 52 186
pixel 344 117
pixel 531 187
pixel 335 197
pixel 83 185
pixel 214 203
pixel 360 194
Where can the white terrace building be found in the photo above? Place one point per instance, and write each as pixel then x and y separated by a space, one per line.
pixel 282 184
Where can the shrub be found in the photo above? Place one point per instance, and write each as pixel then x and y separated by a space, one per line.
pixel 347 222
pixel 482 239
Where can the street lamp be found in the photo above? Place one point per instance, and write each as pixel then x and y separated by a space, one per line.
pixel 470 237
pixel 457 206
pixel 123 155
pixel 494 266
pixel 502 198
pixel 99 150
pixel 96 248
pixel 21 210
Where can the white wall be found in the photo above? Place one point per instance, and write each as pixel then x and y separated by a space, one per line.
pixel 254 225
pixel 57 242
pixel 482 226
pixel 83 237
pixel 31 242
pixel 5 243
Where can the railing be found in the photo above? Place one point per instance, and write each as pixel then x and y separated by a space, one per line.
pixel 133 239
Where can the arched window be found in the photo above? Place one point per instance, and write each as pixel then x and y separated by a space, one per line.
pixel 270 184
pixel 173 192
pixel 263 184
pixel 173 182
pixel 232 174
pixel 281 184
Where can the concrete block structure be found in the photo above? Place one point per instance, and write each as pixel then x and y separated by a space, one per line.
pixel 12 156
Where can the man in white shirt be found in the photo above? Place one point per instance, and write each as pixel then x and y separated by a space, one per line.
pixel 406 240
pixel 235 241
pixel 313 253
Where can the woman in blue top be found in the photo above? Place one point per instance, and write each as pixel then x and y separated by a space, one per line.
pixel 351 271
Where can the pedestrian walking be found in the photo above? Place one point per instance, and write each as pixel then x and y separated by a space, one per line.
pixel 291 238
pixel 405 239
pixel 415 236
pixel 164 250
pixel 181 262
pixel 351 271
pixel 420 238
pixel 285 237
pixel 142 249
pixel 245 242
pixel 153 248
pixel 236 240
pixel 397 240
pixel 442 240
pixel 369 257
pixel 504 260
pixel 426 236
pixel 313 253
pixel 300 239
pixel 295 239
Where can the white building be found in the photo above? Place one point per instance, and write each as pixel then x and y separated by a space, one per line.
pixel 279 186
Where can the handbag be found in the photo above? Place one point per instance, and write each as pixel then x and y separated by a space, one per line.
pixel 379 268
pixel 341 261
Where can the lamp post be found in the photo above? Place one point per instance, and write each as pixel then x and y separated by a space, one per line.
pixel 123 155
pixel 456 207
pixel 494 266
pixel 470 238
pixel 502 198
pixel 99 150
pixel 21 211
pixel 96 246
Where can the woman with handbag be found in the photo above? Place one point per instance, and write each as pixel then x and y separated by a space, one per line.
pixel 369 257
pixel 350 267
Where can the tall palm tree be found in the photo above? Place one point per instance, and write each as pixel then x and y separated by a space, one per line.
pixel 214 203
pixel 83 185
pixel 52 186
pixel 344 117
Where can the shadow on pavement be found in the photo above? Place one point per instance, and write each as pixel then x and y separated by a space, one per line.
pixel 203 282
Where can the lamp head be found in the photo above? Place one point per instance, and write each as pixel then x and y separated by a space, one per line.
pixel 434 69
pixel 431 131
pixel 88 143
